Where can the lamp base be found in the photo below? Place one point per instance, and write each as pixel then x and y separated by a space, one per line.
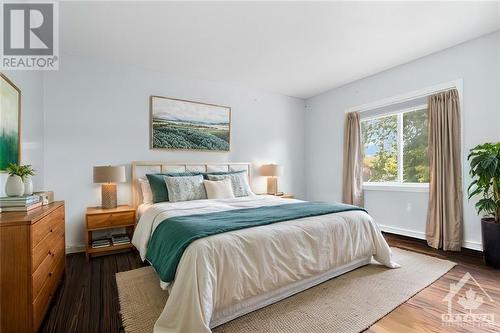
pixel 108 196
pixel 272 185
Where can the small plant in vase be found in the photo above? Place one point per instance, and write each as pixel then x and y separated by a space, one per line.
pixel 27 172
pixel 19 181
pixel 485 171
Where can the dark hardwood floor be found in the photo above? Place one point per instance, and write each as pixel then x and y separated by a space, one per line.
pixel 87 299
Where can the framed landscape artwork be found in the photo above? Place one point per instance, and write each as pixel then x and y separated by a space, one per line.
pixel 180 124
pixel 10 123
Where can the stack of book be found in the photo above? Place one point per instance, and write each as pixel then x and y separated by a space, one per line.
pixel 103 242
pixel 120 239
pixel 20 204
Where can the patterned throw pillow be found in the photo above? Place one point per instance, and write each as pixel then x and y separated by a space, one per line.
pixel 239 182
pixel 158 187
pixel 185 188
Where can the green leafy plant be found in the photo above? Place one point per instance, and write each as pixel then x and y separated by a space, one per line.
pixel 14 170
pixel 20 170
pixel 27 170
pixel 485 171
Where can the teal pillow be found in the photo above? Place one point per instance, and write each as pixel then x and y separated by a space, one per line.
pixel 159 187
pixel 221 173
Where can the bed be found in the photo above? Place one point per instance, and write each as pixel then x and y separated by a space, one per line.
pixel 226 275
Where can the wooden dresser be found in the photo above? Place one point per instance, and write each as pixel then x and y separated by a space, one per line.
pixel 32 261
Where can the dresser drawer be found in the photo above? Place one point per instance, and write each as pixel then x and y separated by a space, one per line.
pixel 46 225
pixel 42 302
pixel 47 247
pixel 47 268
pixel 110 220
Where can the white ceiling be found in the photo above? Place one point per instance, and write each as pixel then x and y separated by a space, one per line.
pixel 293 48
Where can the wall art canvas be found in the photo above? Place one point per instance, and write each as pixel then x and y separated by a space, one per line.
pixel 181 124
pixel 10 123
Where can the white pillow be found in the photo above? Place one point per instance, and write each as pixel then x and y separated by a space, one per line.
pixel 219 189
pixel 147 194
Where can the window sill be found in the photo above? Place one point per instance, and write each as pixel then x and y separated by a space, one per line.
pixel 396 187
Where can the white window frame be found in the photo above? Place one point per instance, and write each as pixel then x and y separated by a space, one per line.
pixel 408 96
pixel 398 184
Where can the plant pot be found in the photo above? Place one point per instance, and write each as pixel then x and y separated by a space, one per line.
pixel 28 186
pixel 14 186
pixel 491 241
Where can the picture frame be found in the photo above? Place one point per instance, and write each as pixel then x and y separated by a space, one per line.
pixel 10 124
pixel 178 124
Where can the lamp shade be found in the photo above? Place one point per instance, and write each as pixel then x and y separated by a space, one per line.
pixel 271 170
pixel 109 174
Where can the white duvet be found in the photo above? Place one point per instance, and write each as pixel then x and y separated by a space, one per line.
pixel 221 276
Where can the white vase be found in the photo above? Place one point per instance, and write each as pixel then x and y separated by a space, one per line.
pixel 14 186
pixel 28 186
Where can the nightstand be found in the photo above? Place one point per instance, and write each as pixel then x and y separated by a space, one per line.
pixel 98 219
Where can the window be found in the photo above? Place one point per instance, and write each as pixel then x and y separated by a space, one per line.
pixel 395 147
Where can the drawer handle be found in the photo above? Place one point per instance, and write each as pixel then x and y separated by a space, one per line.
pixel 50 253
pixel 50 273
pixel 51 230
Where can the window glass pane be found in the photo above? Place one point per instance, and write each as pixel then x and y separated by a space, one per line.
pixel 380 160
pixel 415 160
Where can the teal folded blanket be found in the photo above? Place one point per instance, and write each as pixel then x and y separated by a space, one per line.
pixel 174 234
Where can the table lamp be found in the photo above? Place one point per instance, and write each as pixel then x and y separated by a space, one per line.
pixel 272 171
pixel 108 176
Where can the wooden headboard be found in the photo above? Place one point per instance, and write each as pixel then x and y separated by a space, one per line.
pixel 140 169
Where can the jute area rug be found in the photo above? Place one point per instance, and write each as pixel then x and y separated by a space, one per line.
pixel 349 303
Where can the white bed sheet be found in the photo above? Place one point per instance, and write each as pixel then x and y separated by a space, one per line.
pixel 223 276
pixel 142 208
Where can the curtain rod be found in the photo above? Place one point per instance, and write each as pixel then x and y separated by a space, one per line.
pixel 457 84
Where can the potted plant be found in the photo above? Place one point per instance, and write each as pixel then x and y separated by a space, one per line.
pixel 27 171
pixel 14 186
pixel 19 181
pixel 485 171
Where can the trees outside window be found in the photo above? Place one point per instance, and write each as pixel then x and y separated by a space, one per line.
pixel 395 147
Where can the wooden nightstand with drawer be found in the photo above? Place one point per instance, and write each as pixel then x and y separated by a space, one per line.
pixel 98 219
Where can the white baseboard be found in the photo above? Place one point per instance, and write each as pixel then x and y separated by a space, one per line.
pixel 421 235
pixel 75 249
pixel 402 231
pixel 473 245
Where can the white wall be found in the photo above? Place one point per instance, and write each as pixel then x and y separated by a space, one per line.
pixel 30 84
pixel 97 113
pixel 477 62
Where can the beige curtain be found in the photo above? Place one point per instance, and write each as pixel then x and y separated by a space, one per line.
pixel 445 214
pixel 352 184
